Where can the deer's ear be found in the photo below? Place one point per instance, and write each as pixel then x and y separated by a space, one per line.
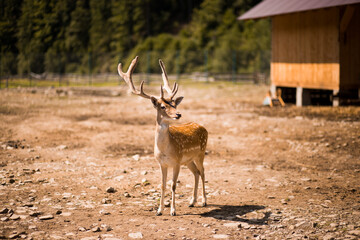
pixel 154 101
pixel 178 100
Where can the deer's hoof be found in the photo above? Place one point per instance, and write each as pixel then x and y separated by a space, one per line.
pixel 173 214
pixel 158 214
pixel 191 205
pixel 204 204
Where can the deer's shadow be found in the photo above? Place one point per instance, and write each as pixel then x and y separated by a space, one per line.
pixel 236 213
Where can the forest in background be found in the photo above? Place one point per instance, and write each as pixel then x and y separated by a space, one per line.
pixel 73 36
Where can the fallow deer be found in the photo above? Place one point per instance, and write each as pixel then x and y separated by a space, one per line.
pixel 175 145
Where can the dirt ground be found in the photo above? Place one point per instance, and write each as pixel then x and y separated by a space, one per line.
pixel 77 163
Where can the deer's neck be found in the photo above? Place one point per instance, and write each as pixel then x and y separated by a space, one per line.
pixel 162 127
pixel 162 137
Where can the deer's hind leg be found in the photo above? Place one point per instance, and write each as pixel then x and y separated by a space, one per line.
pixel 200 166
pixel 196 173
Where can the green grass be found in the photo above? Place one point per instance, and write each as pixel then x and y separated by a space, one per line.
pixel 22 82
pixel 14 83
pixel 104 84
pixel 202 84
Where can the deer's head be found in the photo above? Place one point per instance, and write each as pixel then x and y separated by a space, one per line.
pixel 165 106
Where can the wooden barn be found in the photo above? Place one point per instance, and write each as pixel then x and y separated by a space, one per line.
pixel 315 49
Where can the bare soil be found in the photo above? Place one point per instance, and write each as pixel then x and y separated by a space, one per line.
pixel 281 173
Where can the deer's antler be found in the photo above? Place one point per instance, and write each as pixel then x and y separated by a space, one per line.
pixel 166 82
pixel 128 79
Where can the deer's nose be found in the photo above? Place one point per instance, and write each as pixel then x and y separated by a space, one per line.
pixel 178 115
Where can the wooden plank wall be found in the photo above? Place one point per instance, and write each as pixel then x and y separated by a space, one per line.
pixel 305 49
pixel 350 53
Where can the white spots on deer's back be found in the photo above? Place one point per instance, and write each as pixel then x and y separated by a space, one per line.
pixel 189 137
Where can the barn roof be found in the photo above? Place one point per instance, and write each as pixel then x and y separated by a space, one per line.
pixel 268 8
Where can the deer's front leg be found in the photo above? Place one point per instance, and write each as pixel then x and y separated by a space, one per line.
pixel 163 187
pixel 176 171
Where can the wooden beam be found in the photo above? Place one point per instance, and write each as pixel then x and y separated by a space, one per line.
pixel 299 95
pixel 346 18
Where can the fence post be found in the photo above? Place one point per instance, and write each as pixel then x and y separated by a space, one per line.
pixel 59 68
pixel 233 66
pixel 29 73
pixel 119 61
pixel 90 68
pixel 206 64
pixel 0 65
pixel 148 67
pixel 177 64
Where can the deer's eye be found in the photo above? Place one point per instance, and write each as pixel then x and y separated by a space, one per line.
pixel 163 107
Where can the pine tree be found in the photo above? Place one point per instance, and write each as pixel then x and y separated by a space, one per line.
pixel 77 33
pixel 58 19
pixel 9 14
pixel 129 23
pixel 101 35
pixel 32 36
pixel 77 38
